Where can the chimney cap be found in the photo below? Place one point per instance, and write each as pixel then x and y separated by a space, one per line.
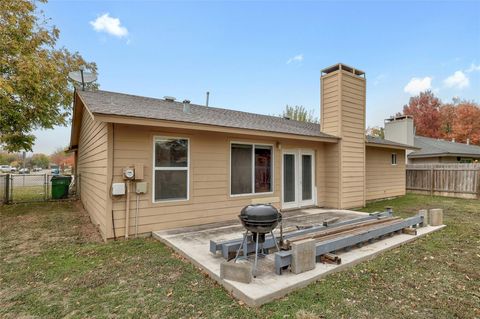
pixel 186 101
pixel 394 118
pixel 344 67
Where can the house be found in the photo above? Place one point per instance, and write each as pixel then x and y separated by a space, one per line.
pixel 203 164
pixel 430 150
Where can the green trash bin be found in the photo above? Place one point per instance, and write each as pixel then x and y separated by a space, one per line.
pixel 60 186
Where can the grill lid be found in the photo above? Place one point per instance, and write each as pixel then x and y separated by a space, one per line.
pixel 260 213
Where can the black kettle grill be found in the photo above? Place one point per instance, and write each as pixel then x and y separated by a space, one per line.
pixel 259 219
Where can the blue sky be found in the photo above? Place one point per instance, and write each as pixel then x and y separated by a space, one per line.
pixel 260 56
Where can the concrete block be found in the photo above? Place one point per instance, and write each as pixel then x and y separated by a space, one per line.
pixel 436 217
pixel 236 271
pixel 424 213
pixel 303 256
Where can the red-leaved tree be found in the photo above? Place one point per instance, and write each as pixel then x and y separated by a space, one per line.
pixel 425 109
pixel 459 120
pixel 466 124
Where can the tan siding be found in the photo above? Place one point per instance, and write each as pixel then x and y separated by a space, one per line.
pixel 210 200
pixel 330 97
pixel 353 140
pixel 92 167
pixel 383 178
pixel 332 184
pixel 343 114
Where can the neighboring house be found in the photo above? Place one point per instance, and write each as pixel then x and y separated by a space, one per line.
pixel 203 164
pixel 430 150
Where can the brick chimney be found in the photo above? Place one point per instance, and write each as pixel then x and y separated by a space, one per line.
pixel 343 94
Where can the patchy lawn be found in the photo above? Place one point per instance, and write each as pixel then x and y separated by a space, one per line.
pixel 53 264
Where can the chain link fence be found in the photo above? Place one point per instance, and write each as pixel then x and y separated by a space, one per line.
pixel 22 188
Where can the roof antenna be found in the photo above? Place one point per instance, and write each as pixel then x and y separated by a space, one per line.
pixel 208 95
pixel 82 77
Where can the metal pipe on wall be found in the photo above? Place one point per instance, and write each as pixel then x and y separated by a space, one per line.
pixel 127 210
pixel 136 216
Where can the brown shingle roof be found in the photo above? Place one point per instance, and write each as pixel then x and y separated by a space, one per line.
pixel 381 141
pixel 111 103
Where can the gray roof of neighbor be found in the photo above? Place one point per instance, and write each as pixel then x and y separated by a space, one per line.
pixel 112 103
pixel 435 147
pixel 382 141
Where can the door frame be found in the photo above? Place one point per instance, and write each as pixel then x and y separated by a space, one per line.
pixel 298 203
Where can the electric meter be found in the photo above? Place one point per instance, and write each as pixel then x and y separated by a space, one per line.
pixel 128 173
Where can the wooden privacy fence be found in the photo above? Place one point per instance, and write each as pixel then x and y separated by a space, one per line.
pixel 456 180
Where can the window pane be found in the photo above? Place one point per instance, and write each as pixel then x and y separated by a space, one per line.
pixel 171 184
pixel 241 169
pixel 171 153
pixel 306 177
pixel 263 169
pixel 288 178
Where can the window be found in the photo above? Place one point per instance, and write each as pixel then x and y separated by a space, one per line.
pixel 394 158
pixel 171 169
pixel 250 169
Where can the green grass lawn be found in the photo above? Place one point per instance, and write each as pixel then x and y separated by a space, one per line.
pixel 28 193
pixel 53 264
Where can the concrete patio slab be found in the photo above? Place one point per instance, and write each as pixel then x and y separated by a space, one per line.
pixel 194 244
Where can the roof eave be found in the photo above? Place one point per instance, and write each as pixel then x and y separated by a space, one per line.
pixel 391 146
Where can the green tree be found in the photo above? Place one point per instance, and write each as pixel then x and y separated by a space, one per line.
pixel 40 160
pixel 34 88
pixel 299 113
pixel 7 158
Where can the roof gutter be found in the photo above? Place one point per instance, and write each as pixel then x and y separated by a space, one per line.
pixel 391 146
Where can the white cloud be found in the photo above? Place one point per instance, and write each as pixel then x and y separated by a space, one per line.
pixel 298 58
pixel 473 67
pixel 417 85
pixel 105 23
pixel 457 80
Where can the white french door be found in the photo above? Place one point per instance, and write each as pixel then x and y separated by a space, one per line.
pixel 298 178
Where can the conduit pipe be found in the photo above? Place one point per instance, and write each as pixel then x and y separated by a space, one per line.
pixel 136 216
pixel 127 210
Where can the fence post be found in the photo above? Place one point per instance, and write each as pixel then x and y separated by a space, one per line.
pixel 478 183
pixel 432 181
pixel 45 188
pixel 7 188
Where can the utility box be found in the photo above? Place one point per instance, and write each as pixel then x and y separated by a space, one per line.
pixel 118 189
pixel 141 187
pixel 138 171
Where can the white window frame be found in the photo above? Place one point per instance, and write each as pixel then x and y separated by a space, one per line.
pixel 187 168
pixel 253 169
pixel 396 159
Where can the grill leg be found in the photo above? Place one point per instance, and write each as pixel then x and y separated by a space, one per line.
pixel 241 246
pixel 245 245
pixel 275 240
pixel 256 258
